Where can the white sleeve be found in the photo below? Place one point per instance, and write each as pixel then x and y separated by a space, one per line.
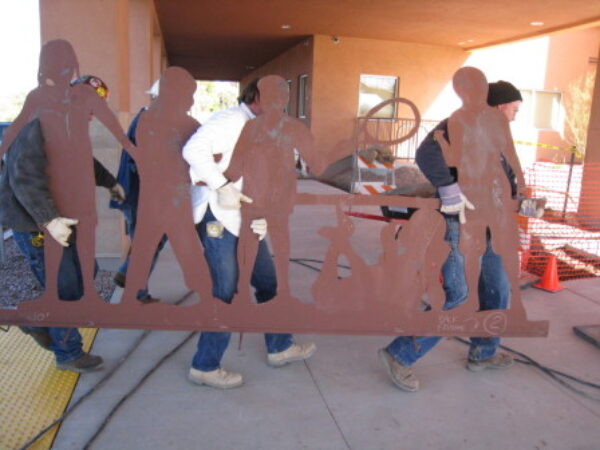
pixel 199 149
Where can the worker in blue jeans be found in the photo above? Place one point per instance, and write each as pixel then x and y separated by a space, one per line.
pixel 221 256
pixel 128 177
pixel 494 293
pixel 493 286
pixel 65 343
pixel 216 204
pixel 28 209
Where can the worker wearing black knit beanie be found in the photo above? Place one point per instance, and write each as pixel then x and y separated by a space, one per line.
pixel 504 96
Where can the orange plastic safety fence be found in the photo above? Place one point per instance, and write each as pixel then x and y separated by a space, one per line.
pixel 570 226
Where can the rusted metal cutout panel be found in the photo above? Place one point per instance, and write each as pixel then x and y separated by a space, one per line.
pixel 392 287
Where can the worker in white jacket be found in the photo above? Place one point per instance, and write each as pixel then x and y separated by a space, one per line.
pixel 216 207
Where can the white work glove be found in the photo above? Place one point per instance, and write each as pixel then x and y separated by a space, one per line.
pixel 60 229
pixel 259 226
pixel 230 197
pixel 532 207
pixel 117 193
pixel 454 201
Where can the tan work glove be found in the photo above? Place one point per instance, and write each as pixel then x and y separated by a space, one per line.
pixel 454 201
pixel 259 226
pixel 60 229
pixel 117 193
pixel 230 197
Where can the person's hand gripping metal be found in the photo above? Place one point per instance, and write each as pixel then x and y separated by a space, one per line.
pixel 230 197
pixel 259 227
pixel 453 200
pixel 60 229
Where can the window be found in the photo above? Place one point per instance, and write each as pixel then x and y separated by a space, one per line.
pixel 287 107
pixel 302 96
pixel 540 109
pixel 375 89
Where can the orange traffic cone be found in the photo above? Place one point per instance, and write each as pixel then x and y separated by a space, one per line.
pixel 549 281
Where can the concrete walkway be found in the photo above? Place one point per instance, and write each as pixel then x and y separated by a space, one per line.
pixel 341 398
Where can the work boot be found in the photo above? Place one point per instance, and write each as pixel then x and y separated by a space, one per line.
pixel 42 337
pixel 85 363
pixel 499 361
pixel 119 279
pixel 219 378
pixel 147 299
pixel 296 352
pixel 402 376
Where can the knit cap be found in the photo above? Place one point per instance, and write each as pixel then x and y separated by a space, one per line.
pixel 502 92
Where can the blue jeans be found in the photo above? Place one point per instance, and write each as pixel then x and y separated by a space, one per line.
pixel 494 293
pixel 66 342
pixel 130 220
pixel 221 256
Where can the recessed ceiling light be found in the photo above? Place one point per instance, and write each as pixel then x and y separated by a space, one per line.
pixel 286 26
pixel 468 41
pixel 536 24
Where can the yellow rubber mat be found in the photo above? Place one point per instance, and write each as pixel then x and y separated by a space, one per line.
pixel 33 393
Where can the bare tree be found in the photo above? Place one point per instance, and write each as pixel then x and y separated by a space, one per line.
pixel 578 103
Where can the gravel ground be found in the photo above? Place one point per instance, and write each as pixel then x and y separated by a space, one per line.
pixel 18 284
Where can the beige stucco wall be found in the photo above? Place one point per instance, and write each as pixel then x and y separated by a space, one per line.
pixel 590 206
pixel 120 42
pixel 334 71
pixel 545 63
pixel 423 71
pixel 290 65
pixel 593 143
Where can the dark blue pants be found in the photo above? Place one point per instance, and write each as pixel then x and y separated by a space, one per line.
pixel 66 342
pixel 221 256
pixel 494 293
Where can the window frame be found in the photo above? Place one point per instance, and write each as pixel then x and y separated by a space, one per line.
pixel 289 103
pixel 301 112
pixel 528 117
pixel 395 94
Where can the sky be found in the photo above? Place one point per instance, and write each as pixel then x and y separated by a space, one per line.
pixel 19 45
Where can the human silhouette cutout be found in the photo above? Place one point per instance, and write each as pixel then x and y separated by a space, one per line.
pixel 479 135
pixel 413 262
pixel 64 112
pixel 264 156
pixel 164 201
pixel 358 285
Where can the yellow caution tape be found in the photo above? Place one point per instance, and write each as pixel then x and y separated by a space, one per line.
pixel 572 149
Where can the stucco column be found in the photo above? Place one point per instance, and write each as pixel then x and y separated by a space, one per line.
pixel 589 205
pixel 117 40
pixel 122 41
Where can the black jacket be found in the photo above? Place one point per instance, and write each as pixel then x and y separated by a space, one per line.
pixel 430 159
pixel 25 201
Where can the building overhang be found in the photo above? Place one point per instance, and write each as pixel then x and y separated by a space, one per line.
pixel 227 39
